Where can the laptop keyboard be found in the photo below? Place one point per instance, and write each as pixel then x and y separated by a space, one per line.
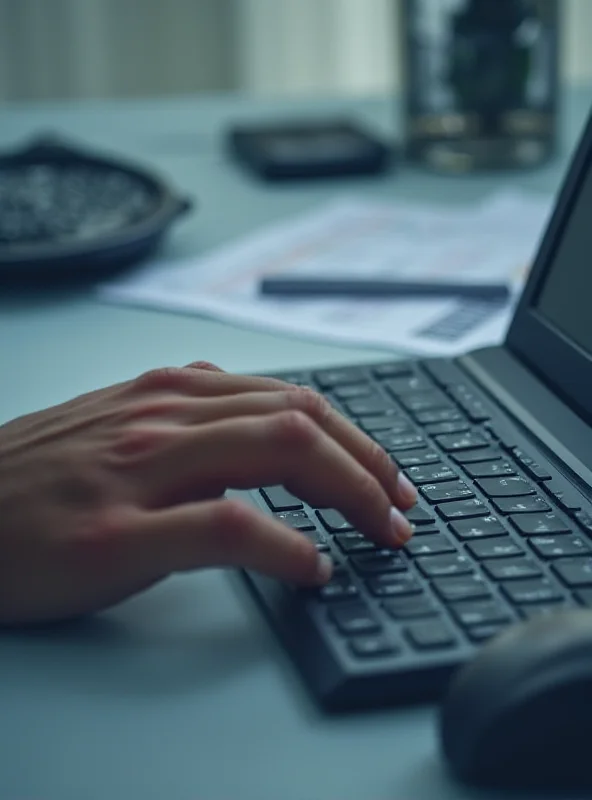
pixel 500 536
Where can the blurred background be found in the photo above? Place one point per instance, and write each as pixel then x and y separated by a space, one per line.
pixel 70 49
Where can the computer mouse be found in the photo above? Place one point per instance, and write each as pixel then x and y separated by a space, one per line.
pixel 519 715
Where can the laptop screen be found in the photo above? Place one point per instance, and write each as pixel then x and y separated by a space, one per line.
pixel 565 297
pixel 551 332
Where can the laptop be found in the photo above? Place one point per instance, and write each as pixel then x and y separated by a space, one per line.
pixel 499 444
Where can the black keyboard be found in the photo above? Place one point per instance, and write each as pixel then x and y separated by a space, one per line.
pixel 501 535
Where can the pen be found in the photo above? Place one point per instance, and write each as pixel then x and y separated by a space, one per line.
pixel 375 287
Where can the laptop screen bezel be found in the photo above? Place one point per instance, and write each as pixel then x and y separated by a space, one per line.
pixel 555 357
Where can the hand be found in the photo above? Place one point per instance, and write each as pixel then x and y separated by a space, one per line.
pixel 103 496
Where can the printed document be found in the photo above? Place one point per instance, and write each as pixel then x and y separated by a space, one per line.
pixel 491 241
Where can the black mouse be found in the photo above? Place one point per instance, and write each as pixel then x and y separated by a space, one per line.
pixel 519 715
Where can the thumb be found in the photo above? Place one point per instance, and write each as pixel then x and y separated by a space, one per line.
pixel 223 533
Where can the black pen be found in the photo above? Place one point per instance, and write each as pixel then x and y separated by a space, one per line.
pixel 280 286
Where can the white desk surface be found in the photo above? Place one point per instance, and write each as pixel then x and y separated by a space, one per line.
pixel 183 692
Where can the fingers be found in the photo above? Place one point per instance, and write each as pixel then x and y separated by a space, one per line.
pixel 373 457
pixel 286 448
pixel 201 382
pixel 218 533
pixel 401 491
pixel 220 396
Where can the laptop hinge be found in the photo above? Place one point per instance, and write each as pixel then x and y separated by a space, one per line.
pixel 546 417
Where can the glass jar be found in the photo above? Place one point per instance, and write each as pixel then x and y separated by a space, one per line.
pixel 480 82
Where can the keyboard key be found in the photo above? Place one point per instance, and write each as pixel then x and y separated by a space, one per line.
pixel 394 584
pixel 372 646
pixel 317 538
pixel 453 590
pixel 540 590
pixel 489 469
pixel 482 633
pixel 337 592
pixel 334 521
pixel 472 456
pixel 407 384
pixel 477 528
pixel 584 596
pixel 461 441
pixel 380 561
pixel 584 520
pixel 541 609
pixel 354 391
pixel 394 370
pixel 430 634
pixel 425 530
pixel 502 434
pixel 424 401
pixel 520 505
pixel 429 545
pixel 398 437
pixel 444 372
pixel 480 612
pixel 340 587
pixel 441 492
pixel 438 415
pixel 278 499
pixel 559 546
pixel 439 428
pixel 512 486
pixel 370 405
pixel 296 519
pixel 393 442
pixel 296 378
pixel 354 543
pixel 535 471
pixel 441 566
pixel 408 607
pixel 471 401
pixel 390 423
pixel 574 572
pixel 532 524
pixel 430 473
pixel 475 411
pixel 566 497
pixel 500 547
pixel 389 412
pixel 463 509
pixel 530 466
pixel 511 569
pixel 353 619
pixel 568 502
pixel 416 458
pixel 419 516
pixel 330 378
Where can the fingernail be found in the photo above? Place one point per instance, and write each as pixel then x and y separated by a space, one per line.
pixel 324 568
pixel 402 528
pixel 406 489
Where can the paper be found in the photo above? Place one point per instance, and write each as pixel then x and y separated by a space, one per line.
pixel 492 241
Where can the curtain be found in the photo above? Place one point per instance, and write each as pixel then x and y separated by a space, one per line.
pixel 95 48
pixel 53 49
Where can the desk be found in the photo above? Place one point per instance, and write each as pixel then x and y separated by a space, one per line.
pixel 183 693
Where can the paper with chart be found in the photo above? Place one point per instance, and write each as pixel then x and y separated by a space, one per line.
pixel 491 241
